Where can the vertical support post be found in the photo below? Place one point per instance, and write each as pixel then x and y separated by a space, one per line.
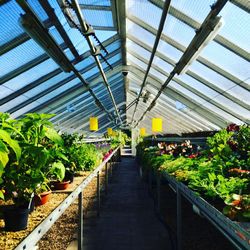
pixel 119 154
pixel 158 184
pixel 98 194
pixel 106 178
pixel 111 166
pixel 150 180
pixel 179 219
pixel 80 222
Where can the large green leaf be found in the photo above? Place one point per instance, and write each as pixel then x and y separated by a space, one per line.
pixel 1 171
pixel 53 136
pixel 4 158
pixel 12 143
pixel 1 195
pixel 58 170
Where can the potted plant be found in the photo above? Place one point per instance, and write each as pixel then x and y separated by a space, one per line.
pixel 70 148
pixel 15 216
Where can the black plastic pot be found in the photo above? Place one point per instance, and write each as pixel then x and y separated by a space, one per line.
pixel 69 176
pixel 30 205
pixel 27 204
pixel 15 218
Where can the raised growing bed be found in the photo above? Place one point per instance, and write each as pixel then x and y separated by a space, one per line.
pixel 45 216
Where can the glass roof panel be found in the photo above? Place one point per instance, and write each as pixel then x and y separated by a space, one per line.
pixel 236 27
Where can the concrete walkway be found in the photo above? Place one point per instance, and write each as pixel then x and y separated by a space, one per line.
pixel 127 220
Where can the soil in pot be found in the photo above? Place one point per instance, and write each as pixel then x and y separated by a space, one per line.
pixel 15 218
pixel 61 185
pixel 42 198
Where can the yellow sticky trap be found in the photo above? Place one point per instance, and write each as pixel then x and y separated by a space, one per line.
pixel 156 125
pixel 93 123
pixel 142 131
pixel 110 131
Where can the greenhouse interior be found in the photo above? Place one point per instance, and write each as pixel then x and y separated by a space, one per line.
pixel 124 124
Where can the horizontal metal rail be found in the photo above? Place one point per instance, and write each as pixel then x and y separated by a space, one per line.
pixel 31 240
pixel 93 140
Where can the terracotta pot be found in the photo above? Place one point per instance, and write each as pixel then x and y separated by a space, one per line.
pixel 42 198
pixel 61 185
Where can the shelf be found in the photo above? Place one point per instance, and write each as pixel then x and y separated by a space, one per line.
pixel 238 233
pixel 31 240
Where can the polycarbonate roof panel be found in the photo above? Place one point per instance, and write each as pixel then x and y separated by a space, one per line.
pixel 9 13
pixel 139 32
pixel 23 53
pixel 104 34
pixel 232 89
pixel 227 60
pixel 209 88
pixel 179 31
pixel 32 93
pixel 131 46
pixel 35 5
pixel 236 27
pixel 31 75
pixel 169 51
pixel 145 11
pixel 137 62
pixel 54 32
pixel 95 2
pixel 201 102
pixel 197 10
pixel 162 64
pixel 215 96
pixel 98 17
pixel 49 83
pixel 218 80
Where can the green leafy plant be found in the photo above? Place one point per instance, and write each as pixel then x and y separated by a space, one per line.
pixel 221 172
pixel 42 150
pixel 9 148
